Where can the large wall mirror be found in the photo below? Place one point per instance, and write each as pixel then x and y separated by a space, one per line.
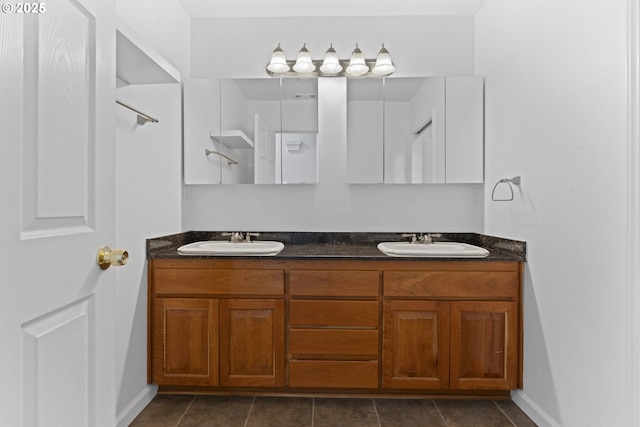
pixel 365 131
pixel 424 130
pixel 250 131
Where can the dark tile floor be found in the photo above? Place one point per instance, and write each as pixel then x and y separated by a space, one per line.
pixel 262 411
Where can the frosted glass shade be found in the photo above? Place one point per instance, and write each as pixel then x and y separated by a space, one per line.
pixel 331 63
pixel 278 63
pixel 383 66
pixel 303 63
pixel 357 65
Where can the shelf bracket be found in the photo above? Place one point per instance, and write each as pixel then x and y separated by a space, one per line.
pixel 142 117
pixel 230 161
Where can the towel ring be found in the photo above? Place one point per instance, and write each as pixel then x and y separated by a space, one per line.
pixel 515 180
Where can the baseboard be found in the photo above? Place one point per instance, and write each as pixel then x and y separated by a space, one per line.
pixel 533 411
pixel 136 406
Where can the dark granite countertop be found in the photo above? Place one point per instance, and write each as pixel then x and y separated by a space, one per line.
pixel 345 246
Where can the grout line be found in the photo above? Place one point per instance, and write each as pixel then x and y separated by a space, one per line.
pixel 439 411
pixel 249 413
pixel 504 413
pixel 185 411
pixel 313 410
pixel 375 409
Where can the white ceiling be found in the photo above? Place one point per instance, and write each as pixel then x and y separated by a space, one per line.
pixel 290 8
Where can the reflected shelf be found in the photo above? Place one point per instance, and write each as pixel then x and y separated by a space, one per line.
pixel 235 139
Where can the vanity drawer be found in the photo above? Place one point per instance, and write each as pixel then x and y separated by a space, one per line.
pixel 335 283
pixel 330 374
pixel 449 284
pixel 322 313
pixel 334 342
pixel 181 281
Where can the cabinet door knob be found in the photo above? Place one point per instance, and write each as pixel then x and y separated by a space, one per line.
pixel 106 257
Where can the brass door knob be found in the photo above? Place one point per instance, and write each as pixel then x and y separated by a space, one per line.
pixel 106 257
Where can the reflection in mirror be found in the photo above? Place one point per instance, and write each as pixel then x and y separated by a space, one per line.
pixel 201 120
pixel 298 158
pixel 250 118
pixel 395 130
pixel 269 127
pixel 296 145
pixel 414 130
pixel 365 130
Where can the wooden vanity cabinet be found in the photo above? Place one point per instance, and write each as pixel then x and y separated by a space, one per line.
pixel 334 331
pixel 185 347
pixel 213 324
pixel 251 342
pixel 484 345
pixel 391 327
pixel 455 329
pixel 416 345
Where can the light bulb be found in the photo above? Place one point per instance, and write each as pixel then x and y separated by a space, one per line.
pixel 331 63
pixel 278 62
pixel 357 65
pixel 304 64
pixel 383 66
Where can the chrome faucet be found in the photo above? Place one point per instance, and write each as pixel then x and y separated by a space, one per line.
pixel 421 238
pixel 249 235
pixel 427 237
pixel 239 236
pixel 236 236
pixel 412 236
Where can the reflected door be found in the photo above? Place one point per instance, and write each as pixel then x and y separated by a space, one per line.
pixel 265 152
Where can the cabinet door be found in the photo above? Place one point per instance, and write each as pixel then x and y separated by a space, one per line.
pixel 464 130
pixel 415 345
pixel 185 341
pixel 484 337
pixel 252 342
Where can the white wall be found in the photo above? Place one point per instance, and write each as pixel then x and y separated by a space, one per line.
pixel 241 47
pixel 148 187
pixel 556 114
pixel 446 46
pixel 148 192
pixel 164 25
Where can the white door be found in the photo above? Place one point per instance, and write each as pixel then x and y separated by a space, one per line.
pixel 264 151
pixel 57 133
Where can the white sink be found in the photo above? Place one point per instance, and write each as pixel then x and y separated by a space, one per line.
pixel 435 249
pixel 224 247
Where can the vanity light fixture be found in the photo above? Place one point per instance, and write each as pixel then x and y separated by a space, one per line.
pixel 331 65
pixel 357 65
pixel 383 65
pixel 303 64
pixel 278 63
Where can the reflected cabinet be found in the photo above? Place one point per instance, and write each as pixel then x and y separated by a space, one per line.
pixel 418 130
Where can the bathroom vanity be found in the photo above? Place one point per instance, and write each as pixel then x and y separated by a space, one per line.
pixel 332 315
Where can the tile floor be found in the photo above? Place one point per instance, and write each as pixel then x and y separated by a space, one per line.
pixel 263 411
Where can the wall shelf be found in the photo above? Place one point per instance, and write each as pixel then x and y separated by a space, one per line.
pixel 232 139
pixel 137 63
